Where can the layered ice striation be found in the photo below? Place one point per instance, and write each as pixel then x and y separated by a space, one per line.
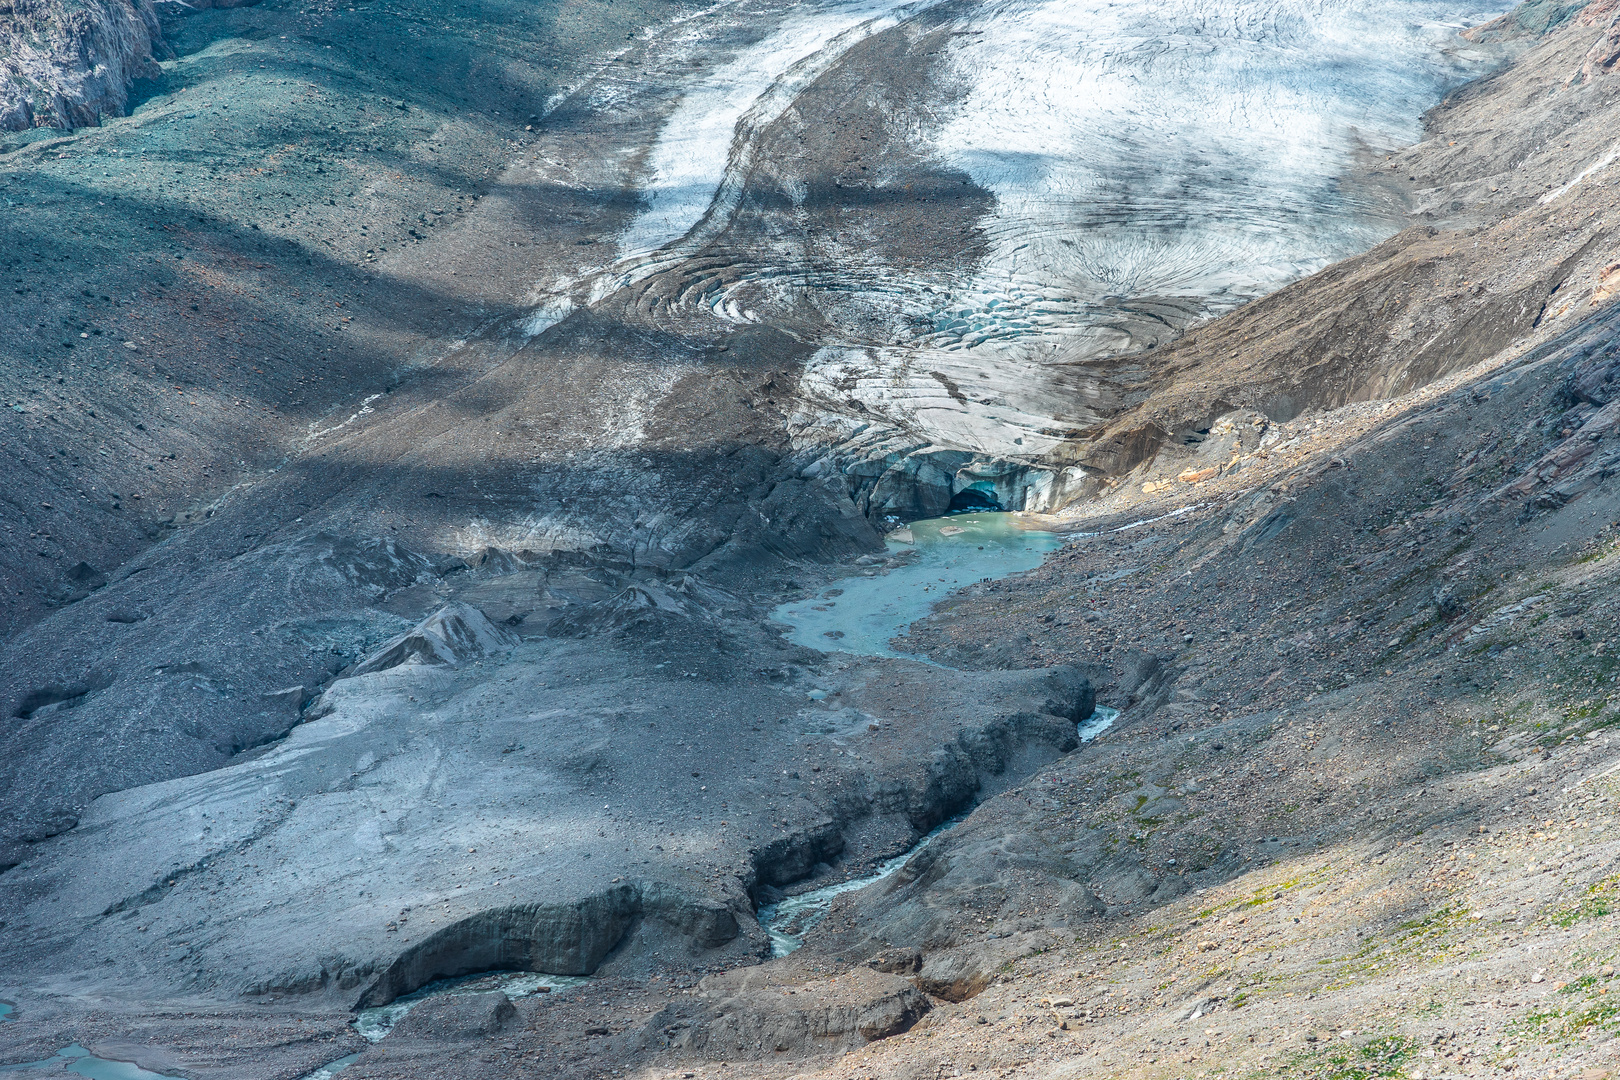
pixel 698 167
pixel 1153 164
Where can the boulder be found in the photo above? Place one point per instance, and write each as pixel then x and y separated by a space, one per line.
pixel 456 1018
pixel 640 609
pixel 897 961
pixel 453 635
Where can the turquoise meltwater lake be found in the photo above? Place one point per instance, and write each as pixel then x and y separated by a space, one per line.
pixel 861 613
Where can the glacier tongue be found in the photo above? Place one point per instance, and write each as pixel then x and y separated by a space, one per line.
pixel 1152 164
pixel 1148 165
pixel 1178 148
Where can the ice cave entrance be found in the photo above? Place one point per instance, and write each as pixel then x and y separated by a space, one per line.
pixel 978 499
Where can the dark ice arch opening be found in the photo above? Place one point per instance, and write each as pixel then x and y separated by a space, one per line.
pixel 974 501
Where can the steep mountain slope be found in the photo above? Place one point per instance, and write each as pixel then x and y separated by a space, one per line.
pixel 265 244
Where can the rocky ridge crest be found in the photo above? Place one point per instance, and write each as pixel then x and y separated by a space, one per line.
pixel 67 63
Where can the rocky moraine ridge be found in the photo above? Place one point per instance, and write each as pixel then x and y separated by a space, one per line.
pixel 434 427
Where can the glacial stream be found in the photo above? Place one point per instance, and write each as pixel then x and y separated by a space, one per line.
pixel 860 614
pixel 373 1024
pixel 788 920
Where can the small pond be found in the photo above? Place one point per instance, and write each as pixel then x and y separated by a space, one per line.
pixel 859 614
pixel 81 1062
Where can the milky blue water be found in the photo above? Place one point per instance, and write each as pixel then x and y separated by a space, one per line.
pixel 332 1068
pixel 373 1024
pixel 76 1059
pixel 860 614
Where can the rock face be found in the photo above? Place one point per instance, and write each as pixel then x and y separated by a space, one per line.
pixel 558 939
pixel 1605 52
pixel 456 1018
pixel 66 63
pixel 1527 20
pixel 1584 455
